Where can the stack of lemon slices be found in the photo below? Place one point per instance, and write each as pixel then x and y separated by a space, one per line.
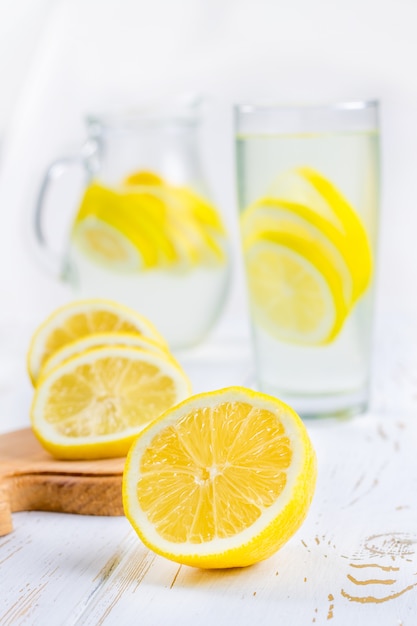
pixel 147 223
pixel 101 373
pixel 308 258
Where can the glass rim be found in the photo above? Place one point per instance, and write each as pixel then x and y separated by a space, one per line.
pixel 342 105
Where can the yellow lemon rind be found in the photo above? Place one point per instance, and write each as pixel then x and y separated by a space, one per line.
pixel 98 340
pixel 350 220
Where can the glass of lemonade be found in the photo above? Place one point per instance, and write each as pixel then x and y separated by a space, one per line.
pixel 307 180
pixel 146 232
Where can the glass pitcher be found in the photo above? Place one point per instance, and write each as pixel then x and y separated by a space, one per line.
pixel 146 233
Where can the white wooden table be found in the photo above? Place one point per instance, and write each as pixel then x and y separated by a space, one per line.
pixel 353 562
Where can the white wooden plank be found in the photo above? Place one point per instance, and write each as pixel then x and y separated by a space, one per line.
pixel 362 527
pixel 354 561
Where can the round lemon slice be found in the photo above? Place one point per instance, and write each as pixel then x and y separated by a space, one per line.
pixel 295 293
pixel 223 479
pixel 101 212
pixel 191 223
pixel 106 246
pixel 79 319
pixel 308 187
pixel 99 340
pixel 94 405
pixel 270 214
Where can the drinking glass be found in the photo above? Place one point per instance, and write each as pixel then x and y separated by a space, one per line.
pixel 146 232
pixel 307 179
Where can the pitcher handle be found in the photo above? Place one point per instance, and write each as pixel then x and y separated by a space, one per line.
pixel 49 258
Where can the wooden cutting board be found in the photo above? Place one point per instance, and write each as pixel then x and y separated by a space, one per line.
pixel 31 479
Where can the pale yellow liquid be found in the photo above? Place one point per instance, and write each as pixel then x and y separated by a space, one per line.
pixel 183 299
pixel 322 379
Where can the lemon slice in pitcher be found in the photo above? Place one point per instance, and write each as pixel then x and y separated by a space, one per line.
pixel 107 246
pixel 191 223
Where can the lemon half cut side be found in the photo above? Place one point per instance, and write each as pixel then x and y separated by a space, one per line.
pixel 223 479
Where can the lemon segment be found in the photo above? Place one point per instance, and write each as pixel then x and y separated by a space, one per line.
pixel 79 319
pixel 295 292
pixel 223 479
pixel 93 405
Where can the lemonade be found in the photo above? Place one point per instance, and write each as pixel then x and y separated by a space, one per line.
pixel 145 232
pixel 308 207
pixel 159 248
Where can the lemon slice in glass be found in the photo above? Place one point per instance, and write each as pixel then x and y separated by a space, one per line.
pixel 270 214
pixel 295 292
pixel 308 187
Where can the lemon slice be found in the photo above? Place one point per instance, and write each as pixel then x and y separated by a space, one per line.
pixel 201 210
pixel 138 218
pixel 224 479
pixel 94 405
pixel 270 214
pixel 193 225
pixel 308 187
pixel 143 177
pixel 99 340
pixel 189 200
pixel 106 245
pixel 295 293
pixel 79 319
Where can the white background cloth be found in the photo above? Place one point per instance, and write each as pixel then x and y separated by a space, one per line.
pixel 62 59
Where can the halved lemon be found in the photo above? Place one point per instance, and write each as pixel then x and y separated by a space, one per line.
pixel 99 340
pixel 295 292
pixel 94 405
pixel 79 319
pixel 224 479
